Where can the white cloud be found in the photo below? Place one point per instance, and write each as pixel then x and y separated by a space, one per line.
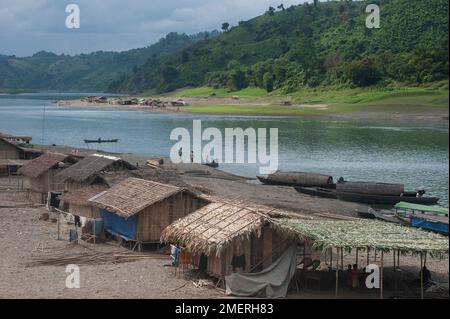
pixel 28 26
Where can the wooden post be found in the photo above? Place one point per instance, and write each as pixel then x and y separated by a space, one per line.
pixel 342 258
pixel 94 231
pixel 421 276
pixel 337 275
pixel 357 256
pixel 381 275
pixel 368 256
pixel 394 259
pixel 331 258
pixel 59 217
pixel 398 258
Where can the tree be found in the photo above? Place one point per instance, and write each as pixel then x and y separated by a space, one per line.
pixel 268 82
pixel 363 72
pixel 225 26
pixel 281 7
pixel 271 11
pixel 316 3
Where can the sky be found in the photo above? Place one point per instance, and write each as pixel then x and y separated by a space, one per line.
pixel 29 26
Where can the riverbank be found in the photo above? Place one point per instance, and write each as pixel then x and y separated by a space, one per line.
pixel 395 105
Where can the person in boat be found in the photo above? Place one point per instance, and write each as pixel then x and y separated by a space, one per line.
pixel 180 152
pixel 341 180
pixel 420 193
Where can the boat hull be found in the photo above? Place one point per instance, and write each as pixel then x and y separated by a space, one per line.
pixel 384 200
pixel 318 192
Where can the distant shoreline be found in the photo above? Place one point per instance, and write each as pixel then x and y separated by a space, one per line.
pixel 267 108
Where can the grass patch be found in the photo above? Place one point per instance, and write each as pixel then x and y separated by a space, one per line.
pixel 247 93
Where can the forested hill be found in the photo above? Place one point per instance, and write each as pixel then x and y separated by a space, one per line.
pixel 321 44
pixel 85 72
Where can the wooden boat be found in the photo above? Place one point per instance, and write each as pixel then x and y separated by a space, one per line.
pixel 371 188
pixel 317 191
pixel 434 219
pixel 300 179
pixel 212 164
pixel 384 199
pixel 99 141
pixel 383 215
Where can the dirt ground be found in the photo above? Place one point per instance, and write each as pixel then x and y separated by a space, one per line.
pixel 23 236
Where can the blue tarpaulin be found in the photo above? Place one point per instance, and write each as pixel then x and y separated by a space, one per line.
pixel 429 225
pixel 118 226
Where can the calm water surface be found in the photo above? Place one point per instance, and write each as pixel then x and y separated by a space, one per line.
pixel 416 155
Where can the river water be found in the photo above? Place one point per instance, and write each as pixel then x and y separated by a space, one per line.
pixel 414 154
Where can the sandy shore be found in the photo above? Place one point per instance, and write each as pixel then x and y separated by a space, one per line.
pixel 24 238
pixel 402 116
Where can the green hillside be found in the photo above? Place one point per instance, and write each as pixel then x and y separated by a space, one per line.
pixel 310 46
pixel 85 72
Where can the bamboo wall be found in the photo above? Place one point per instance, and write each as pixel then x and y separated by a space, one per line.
pixel 39 187
pixel 83 210
pixel 8 151
pixel 260 253
pixel 154 219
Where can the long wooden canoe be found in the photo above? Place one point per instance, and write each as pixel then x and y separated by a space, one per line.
pixel 383 199
pixel 317 191
pixel 300 179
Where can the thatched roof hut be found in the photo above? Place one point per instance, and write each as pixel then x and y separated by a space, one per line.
pixel 223 232
pixel 77 202
pixel 88 170
pixel 42 164
pixel 40 175
pixel 214 227
pixel 138 210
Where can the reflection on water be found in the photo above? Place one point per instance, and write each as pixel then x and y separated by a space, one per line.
pixel 416 155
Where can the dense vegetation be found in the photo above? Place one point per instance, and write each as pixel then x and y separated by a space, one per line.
pixel 311 45
pixel 85 72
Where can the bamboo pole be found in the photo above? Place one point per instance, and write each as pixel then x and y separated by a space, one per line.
pixel 59 217
pixel 381 275
pixel 368 256
pixel 331 258
pixel 357 256
pixel 421 276
pixel 337 275
pixel 342 258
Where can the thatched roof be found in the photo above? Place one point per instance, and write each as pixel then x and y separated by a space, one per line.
pixel 4 140
pixel 366 234
pixel 42 164
pixel 133 195
pixel 13 162
pixel 88 168
pixel 113 178
pixel 82 195
pixel 213 228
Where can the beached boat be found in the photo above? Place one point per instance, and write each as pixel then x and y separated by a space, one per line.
pixel 317 191
pixel 434 219
pixel 212 164
pixel 99 140
pixel 299 179
pixel 384 199
pixel 383 215
pixel 371 188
